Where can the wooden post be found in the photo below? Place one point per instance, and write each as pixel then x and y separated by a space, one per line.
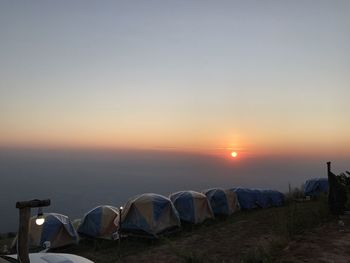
pixel 22 241
pixel 23 230
pixel 331 191
pixel 328 168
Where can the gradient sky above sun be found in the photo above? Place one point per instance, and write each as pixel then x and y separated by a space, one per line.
pixel 255 77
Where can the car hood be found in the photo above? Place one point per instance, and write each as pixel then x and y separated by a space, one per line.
pixel 54 258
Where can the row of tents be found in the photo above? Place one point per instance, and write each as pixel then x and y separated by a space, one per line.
pixel 150 215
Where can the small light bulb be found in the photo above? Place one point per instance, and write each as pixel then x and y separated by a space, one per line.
pixel 121 208
pixel 39 221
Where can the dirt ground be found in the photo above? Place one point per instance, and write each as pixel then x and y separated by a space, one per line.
pixel 329 243
pixel 220 245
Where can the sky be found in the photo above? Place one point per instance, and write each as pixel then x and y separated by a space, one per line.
pixel 258 77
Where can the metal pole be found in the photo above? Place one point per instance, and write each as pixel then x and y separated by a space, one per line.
pixel 120 224
pixel 120 231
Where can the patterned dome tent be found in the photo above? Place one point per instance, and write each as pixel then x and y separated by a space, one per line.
pixel 262 198
pixel 223 202
pixel 57 229
pixel 193 207
pixel 99 222
pixel 150 215
pixel 246 197
pixel 276 197
pixel 316 186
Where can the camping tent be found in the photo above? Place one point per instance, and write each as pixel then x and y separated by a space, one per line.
pixel 57 229
pixel 193 207
pixel 276 198
pixel 150 215
pixel 246 197
pixel 223 202
pixel 262 198
pixel 316 186
pixel 252 198
pixel 99 222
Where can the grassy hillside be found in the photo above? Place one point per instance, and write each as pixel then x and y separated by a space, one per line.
pixel 252 236
pixel 297 232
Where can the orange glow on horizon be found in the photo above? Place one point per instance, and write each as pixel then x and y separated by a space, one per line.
pixel 245 144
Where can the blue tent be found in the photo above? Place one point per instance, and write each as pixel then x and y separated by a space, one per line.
pixel 223 202
pixel 316 186
pixel 262 198
pixel 246 197
pixel 193 207
pixel 276 198
pixel 100 222
pixel 150 215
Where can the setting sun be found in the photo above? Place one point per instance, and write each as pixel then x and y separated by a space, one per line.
pixel 234 154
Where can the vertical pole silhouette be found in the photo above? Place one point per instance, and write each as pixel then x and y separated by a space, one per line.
pixel 337 193
pixel 331 188
pixel 23 230
pixel 329 167
pixel 22 245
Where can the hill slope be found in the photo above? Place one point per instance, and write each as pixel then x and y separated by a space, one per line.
pixel 271 235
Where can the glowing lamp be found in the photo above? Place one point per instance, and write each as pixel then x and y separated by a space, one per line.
pixel 40 219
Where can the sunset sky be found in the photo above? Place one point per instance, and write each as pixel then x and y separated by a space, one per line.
pixel 257 77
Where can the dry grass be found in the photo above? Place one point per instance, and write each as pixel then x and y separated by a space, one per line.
pixel 252 236
pixel 246 237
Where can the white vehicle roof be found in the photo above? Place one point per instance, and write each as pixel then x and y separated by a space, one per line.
pixel 54 258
